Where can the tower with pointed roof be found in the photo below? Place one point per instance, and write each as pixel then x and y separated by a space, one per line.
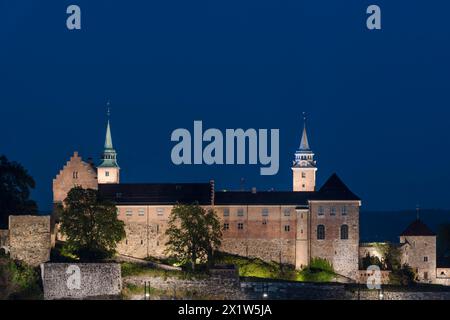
pixel 304 166
pixel 108 171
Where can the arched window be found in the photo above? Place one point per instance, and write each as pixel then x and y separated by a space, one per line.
pixel 344 232
pixel 320 232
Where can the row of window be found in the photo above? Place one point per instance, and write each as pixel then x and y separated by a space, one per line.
pixel 240 226
pixel 264 212
pixel 333 211
pixel 287 211
pixel 321 232
pixel 142 242
pixel 141 212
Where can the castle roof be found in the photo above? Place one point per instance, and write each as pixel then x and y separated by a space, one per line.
pixel 171 193
pixel 417 228
pixel 335 189
pixel 262 198
pixel 157 193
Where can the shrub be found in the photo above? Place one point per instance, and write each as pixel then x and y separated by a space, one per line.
pixel 319 270
pixel 404 276
pixel 18 281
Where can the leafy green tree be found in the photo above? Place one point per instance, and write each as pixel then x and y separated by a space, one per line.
pixel 15 189
pixel 369 260
pixel 391 257
pixel 404 276
pixel 193 234
pixel 90 225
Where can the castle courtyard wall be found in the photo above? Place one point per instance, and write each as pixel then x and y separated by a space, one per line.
pixel 30 239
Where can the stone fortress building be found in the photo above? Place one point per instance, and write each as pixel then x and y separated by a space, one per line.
pixel 289 227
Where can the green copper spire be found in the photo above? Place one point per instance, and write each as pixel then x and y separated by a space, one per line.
pixel 109 154
pixel 108 139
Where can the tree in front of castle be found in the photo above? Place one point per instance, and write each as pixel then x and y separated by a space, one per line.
pixel 193 234
pixel 90 225
pixel 15 189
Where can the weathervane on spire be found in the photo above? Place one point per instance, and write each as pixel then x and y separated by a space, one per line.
pixel 108 111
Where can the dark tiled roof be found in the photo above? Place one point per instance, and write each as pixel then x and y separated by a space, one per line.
pixel 417 228
pixel 262 198
pixel 171 193
pixel 335 189
pixel 157 193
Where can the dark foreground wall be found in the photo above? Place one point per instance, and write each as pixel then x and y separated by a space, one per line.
pixel 308 291
pixel 81 280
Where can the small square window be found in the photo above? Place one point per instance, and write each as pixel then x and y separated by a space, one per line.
pixel 320 212
pixel 344 210
pixel 287 228
pixel 240 212
pixel 160 211
pixel 303 175
pixel 226 226
pixel 226 212
pixel 333 211
pixel 129 212
pixel 240 226
pixel 106 173
pixel 287 212
pixel 425 259
pixel 265 212
pixel 141 212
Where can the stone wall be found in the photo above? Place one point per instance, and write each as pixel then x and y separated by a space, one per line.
pixel 310 291
pixel 342 253
pixel 364 275
pixel 278 250
pixel 4 239
pixel 145 228
pixel 443 276
pixel 81 280
pixel 209 287
pixel 30 239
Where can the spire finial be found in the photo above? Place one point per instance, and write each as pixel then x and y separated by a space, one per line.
pixel 108 110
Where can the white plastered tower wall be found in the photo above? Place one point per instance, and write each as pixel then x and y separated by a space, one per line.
pixel 304 166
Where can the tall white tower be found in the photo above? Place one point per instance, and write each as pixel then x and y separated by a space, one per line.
pixel 304 166
pixel 108 171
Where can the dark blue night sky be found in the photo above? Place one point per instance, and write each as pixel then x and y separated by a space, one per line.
pixel 378 101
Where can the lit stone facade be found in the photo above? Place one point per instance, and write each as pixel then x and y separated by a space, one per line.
pixel 275 226
pixel 419 252
pixel 334 234
pixel 76 172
